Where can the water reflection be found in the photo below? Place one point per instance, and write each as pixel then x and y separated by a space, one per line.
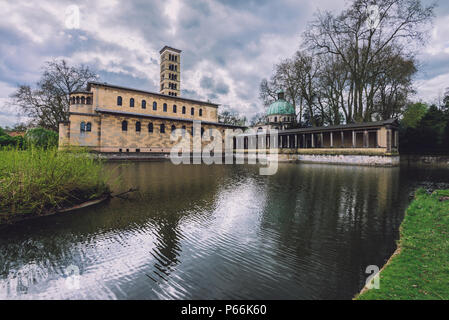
pixel 217 232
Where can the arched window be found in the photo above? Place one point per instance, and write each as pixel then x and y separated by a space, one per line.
pixel 174 108
pixel 154 105
pixel 89 127
pixel 192 111
pixel 88 101
pixel 173 128
pixel 83 127
pixel 275 119
pixel 119 101
pixel 183 110
pixel 144 104
pixel 131 102
pixel 150 127
pixel 124 125
pixel 77 100
pixel 138 126
pixel 201 112
pixel 83 100
pixel 164 107
pixel 73 100
pixel 162 128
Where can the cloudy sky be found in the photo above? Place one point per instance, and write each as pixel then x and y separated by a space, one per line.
pixel 228 46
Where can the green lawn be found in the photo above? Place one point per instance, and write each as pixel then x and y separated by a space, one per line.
pixel 421 269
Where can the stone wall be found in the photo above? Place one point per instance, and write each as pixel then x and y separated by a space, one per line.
pixel 106 98
pixel 107 135
pixel 363 160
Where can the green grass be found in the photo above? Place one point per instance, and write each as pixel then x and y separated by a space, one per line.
pixel 36 181
pixel 421 269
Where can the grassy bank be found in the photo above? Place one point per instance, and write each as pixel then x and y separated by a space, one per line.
pixel 37 181
pixel 421 269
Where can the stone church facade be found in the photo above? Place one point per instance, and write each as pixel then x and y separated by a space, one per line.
pixel 115 119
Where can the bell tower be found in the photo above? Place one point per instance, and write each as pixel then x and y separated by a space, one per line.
pixel 170 71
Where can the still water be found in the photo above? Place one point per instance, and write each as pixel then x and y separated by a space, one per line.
pixel 216 232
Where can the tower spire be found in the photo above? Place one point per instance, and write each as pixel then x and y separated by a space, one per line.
pixel 170 71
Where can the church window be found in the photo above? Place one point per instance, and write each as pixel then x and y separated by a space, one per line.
pixel 88 127
pixel 83 126
pixel 150 127
pixel 144 104
pixel 124 125
pixel 192 111
pixel 131 102
pixel 154 105
pixel 165 107
pixel 201 112
pixel 174 108
pixel 119 101
pixel 162 128
pixel 138 126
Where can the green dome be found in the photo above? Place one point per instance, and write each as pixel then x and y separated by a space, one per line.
pixel 280 107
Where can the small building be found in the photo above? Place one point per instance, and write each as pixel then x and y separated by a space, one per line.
pixel 16 133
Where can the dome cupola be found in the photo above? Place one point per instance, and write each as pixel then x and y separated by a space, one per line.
pixel 280 106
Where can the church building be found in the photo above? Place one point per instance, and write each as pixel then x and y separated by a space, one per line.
pixel 115 119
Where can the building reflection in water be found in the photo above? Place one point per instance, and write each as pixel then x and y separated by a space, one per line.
pixel 217 232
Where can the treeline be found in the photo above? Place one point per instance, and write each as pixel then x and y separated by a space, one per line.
pixel 37 137
pixel 356 66
pixel 425 129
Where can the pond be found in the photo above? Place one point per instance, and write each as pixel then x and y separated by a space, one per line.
pixel 216 232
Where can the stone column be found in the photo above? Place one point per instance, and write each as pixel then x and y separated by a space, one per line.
pixel 354 139
pixel 388 140
pixel 365 139
pixel 296 141
pixel 288 141
pixel 322 140
pixel 342 134
pixel 331 137
pixel 396 138
pixel 304 141
pixel 313 140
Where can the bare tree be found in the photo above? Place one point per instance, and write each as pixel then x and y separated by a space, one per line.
pixel 48 104
pixel 231 117
pixel 359 40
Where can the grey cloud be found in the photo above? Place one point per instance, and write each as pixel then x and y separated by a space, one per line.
pixel 206 82
pixel 222 88
pixel 240 37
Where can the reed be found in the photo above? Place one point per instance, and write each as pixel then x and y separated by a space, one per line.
pixel 37 180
